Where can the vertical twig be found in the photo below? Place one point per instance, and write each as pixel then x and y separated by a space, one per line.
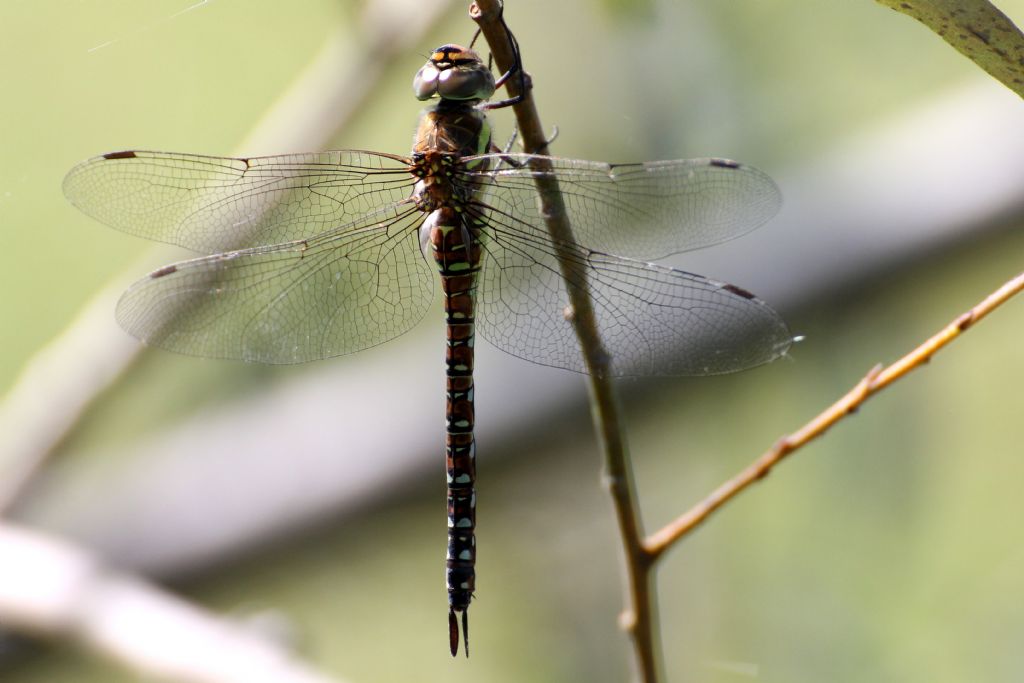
pixel 638 618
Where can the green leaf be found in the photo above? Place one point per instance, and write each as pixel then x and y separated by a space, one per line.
pixel 977 30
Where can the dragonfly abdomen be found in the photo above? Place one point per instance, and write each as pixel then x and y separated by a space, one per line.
pixel 454 247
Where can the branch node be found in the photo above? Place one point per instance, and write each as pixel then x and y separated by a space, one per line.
pixel 627 620
pixel 864 388
pixel 873 374
pixel 783 445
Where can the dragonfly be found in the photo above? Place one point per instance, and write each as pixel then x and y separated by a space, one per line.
pixel 309 256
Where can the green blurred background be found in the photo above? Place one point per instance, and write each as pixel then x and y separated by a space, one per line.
pixel 889 550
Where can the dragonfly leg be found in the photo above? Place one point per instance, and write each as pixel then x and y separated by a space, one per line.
pixel 554 136
pixel 507 149
pixel 511 141
pixel 525 83
pixel 504 152
pixel 515 134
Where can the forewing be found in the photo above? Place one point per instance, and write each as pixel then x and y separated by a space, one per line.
pixel 342 291
pixel 212 204
pixel 653 320
pixel 645 210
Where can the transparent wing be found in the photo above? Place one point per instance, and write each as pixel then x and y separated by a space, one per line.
pixel 338 292
pixel 211 204
pixel 646 210
pixel 653 320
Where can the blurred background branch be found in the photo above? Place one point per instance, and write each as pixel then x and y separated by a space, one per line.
pixel 54 590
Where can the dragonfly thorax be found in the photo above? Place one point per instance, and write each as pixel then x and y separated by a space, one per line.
pixel 436 187
pixel 455 73
pixel 454 128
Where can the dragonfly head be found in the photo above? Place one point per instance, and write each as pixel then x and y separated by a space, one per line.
pixel 454 72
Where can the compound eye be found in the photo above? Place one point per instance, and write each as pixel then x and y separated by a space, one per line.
pixel 454 73
pixel 424 84
pixel 472 81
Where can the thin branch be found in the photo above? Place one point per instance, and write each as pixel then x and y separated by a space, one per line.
pixel 638 618
pixel 876 380
pixel 52 589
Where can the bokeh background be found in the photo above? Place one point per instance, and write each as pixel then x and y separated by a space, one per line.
pixel 310 498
